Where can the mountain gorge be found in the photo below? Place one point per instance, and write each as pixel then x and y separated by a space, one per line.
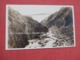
pixel 54 31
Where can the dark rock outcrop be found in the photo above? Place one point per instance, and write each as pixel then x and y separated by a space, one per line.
pixel 33 29
pixel 21 29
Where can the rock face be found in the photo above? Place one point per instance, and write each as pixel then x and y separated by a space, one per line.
pixel 22 28
pixel 63 20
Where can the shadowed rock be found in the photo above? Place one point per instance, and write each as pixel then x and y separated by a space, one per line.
pixel 22 28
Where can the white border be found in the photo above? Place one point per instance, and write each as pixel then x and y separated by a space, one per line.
pixel 6 27
pixel 6 43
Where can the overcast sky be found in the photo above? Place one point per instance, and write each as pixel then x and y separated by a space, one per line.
pixel 38 12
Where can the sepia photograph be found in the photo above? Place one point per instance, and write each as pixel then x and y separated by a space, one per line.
pixel 39 26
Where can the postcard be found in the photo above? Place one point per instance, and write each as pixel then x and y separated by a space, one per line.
pixel 39 26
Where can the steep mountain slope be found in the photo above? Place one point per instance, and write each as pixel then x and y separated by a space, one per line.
pixel 62 19
pixel 22 28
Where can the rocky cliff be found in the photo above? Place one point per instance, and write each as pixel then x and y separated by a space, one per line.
pixel 22 28
pixel 61 19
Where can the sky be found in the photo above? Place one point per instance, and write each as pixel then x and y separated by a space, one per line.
pixel 37 12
